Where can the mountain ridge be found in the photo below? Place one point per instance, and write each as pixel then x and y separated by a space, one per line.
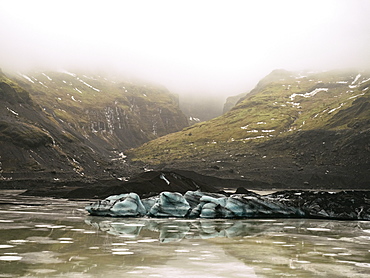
pixel 327 110
pixel 293 130
pixel 78 126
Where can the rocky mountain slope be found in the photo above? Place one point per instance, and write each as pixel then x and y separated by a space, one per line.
pixel 275 75
pixel 293 130
pixel 73 125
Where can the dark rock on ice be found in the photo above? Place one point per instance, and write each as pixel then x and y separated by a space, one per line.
pixel 145 184
pixel 244 206
pixel 193 197
pixel 325 204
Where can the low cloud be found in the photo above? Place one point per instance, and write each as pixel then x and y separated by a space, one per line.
pixel 191 47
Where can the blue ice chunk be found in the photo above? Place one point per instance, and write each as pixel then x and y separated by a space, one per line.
pixel 128 206
pixel 124 205
pixel 170 204
pixel 212 207
pixel 149 202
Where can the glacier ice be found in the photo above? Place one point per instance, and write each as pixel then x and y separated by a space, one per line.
pixel 196 204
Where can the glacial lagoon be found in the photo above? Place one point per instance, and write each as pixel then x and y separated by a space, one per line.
pixel 46 237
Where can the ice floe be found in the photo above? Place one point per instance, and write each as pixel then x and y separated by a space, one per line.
pixel 192 204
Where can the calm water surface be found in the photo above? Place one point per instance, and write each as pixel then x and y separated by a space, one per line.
pixel 42 237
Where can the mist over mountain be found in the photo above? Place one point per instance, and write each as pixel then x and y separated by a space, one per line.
pixel 213 48
pixel 201 108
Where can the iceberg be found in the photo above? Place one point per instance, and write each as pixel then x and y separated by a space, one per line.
pixel 124 205
pixel 346 205
pixel 170 204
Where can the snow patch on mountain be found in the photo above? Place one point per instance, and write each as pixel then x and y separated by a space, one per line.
pixel 26 77
pixel 47 77
pixel 309 94
pixel 88 85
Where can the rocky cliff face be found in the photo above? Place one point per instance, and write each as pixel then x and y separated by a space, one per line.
pixel 293 130
pixel 77 125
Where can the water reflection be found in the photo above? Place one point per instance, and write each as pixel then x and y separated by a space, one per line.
pixel 177 229
pixel 229 228
pixel 56 238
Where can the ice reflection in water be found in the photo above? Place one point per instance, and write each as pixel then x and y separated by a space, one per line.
pixel 56 238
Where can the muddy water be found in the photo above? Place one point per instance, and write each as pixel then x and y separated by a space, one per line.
pixel 41 237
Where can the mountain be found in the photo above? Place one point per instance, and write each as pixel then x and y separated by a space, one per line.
pixel 78 125
pixel 293 130
pixel 275 75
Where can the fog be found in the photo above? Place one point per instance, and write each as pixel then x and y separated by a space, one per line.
pixel 194 47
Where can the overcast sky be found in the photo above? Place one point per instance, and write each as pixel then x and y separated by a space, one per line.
pixel 194 46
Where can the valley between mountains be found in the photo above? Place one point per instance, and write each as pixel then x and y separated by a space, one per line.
pixel 297 130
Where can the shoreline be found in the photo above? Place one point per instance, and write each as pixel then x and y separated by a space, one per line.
pixel 149 183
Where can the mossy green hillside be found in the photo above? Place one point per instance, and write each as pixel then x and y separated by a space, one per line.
pixel 288 103
pixel 73 125
pixel 121 113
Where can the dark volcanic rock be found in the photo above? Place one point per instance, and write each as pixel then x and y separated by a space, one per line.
pixel 145 185
pixel 324 204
